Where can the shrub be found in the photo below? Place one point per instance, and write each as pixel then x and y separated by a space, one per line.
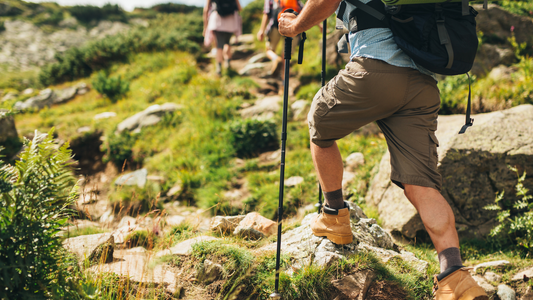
pixel 141 238
pixel 176 8
pixel 88 13
pixel 515 216
pixel 250 14
pixel 2 26
pixel 113 87
pixel 34 198
pixel 118 149
pixel 251 137
pixel 167 32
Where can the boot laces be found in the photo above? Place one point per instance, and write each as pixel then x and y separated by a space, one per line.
pixel 435 289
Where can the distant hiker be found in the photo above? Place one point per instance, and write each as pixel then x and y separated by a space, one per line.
pixel 221 21
pixel 382 84
pixel 269 28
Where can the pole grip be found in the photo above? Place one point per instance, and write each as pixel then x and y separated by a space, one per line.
pixel 288 48
pixel 301 48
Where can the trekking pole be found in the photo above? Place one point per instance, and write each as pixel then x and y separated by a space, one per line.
pixel 323 80
pixel 287 56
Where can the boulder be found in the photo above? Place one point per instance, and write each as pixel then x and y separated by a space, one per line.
pixel 528 273
pixel 105 115
pixel 354 160
pixel 65 95
pixel 501 24
pixel 209 272
pixel 353 286
pixel 264 108
pixel 148 117
pixel 505 292
pixel 46 97
pixel 8 130
pixel 490 56
pixel 300 109
pixel 256 222
pixel 473 167
pixel 334 58
pixel 305 248
pixel 485 285
pixel 223 225
pixel 134 178
pixel 9 96
pixel 491 264
pixel 294 181
pixel 528 295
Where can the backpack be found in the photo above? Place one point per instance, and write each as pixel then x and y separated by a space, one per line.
pixel 225 7
pixel 279 6
pixel 439 36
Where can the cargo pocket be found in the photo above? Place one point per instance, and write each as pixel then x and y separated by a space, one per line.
pixel 433 154
pixel 324 100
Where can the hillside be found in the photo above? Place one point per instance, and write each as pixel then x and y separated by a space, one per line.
pixel 170 158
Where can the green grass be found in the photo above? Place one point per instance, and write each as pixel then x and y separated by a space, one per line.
pixel 85 231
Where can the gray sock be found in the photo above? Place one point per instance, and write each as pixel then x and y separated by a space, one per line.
pixel 334 199
pixel 450 257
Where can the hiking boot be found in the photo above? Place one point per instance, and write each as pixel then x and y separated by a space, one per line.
pixel 334 224
pixel 458 286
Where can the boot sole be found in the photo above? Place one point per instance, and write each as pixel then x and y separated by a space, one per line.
pixel 338 239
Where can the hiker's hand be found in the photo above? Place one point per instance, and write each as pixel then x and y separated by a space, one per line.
pixel 260 35
pixel 287 22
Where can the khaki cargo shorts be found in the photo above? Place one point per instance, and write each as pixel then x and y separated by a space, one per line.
pixel 402 101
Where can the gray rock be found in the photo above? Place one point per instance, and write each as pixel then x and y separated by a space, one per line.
pixel 496 21
pixel 9 96
pixel 65 95
pixel 172 221
pixel 306 248
pixel 224 225
pixel 354 160
pixel 8 130
pixel 353 286
pixel 134 178
pixel 261 57
pixel 46 97
pixel 506 293
pixel 492 277
pixel 491 264
pixel 473 166
pixel 526 273
pixel 253 69
pixel 300 109
pixel 148 117
pixel 265 107
pixel 490 56
pixel 294 181
pixel 248 233
pixel 210 272
pixel 487 287
pixel 105 115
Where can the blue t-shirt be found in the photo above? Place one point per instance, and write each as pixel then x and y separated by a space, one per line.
pixel 378 43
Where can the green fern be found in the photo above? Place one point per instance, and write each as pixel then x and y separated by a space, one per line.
pixel 515 217
pixel 35 196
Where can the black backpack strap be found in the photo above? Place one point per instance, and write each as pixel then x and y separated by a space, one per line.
pixel 443 35
pixel 367 15
pixel 469 121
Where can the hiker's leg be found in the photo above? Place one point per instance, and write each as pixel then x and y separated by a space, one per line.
pixel 436 214
pixel 329 166
pixel 227 52
pixel 220 55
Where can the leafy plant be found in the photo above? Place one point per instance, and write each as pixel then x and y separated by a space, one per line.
pixel 250 137
pixel 88 13
pixel 34 198
pixel 2 26
pixel 118 149
pixel 515 215
pixel 113 87
pixel 141 238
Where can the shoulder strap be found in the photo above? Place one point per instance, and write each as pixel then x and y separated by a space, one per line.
pixel 367 15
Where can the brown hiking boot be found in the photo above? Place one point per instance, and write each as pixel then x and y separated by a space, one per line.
pixel 334 224
pixel 458 286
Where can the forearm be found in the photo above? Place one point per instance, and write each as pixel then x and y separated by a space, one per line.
pixel 264 22
pixel 314 12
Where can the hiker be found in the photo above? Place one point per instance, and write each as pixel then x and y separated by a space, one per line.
pixel 221 21
pixel 269 28
pixel 382 84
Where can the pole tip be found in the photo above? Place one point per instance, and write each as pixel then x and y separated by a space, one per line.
pixel 275 296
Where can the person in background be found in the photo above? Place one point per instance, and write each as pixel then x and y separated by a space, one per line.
pixel 221 21
pixel 269 28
